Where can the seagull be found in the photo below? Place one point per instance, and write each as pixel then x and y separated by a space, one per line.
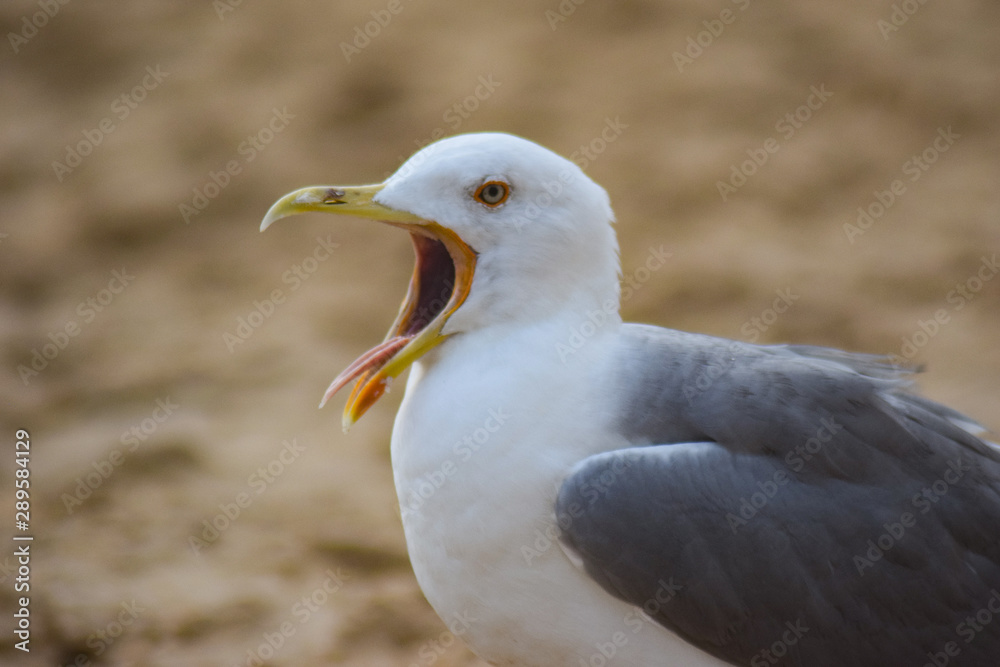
pixel 581 492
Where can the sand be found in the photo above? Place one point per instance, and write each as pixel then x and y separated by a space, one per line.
pixel 189 503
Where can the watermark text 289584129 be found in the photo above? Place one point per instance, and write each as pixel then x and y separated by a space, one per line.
pixel 22 550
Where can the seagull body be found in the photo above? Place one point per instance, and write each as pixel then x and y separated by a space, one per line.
pixel 497 558
pixel 578 491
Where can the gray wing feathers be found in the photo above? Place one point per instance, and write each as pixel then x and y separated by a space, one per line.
pixel 801 500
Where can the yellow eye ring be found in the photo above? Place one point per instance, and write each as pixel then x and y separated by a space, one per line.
pixel 492 193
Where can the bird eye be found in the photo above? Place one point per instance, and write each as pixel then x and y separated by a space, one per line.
pixel 493 193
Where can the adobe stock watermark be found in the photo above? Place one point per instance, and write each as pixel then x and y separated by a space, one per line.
pixel 666 590
pixel 453 117
pixel 714 28
pixel 635 620
pixel 264 309
pixel 914 169
pixel 900 14
pixel 924 501
pixel 796 460
pixel 967 630
pixel 773 654
pixel 246 152
pixel 257 483
pixel 99 641
pixel 786 126
pixel 121 108
pixel 536 208
pixel 632 282
pixel 957 298
pixel 106 466
pixel 30 25
pixel 587 153
pixel 583 157
pixel 591 491
pixel 752 329
pixel 302 611
pixel 563 11
pixel 370 30
pixel 87 310
pixel 463 450
pixel 432 649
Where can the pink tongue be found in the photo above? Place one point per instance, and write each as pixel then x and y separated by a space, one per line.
pixel 373 359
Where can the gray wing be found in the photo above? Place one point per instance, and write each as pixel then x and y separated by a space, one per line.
pixel 792 504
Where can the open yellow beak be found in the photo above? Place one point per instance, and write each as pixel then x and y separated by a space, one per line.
pixel 442 278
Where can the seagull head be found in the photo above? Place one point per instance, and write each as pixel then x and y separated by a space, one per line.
pixel 504 232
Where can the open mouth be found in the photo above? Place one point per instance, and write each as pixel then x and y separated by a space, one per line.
pixel 432 288
pixel 433 282
pixel 442 278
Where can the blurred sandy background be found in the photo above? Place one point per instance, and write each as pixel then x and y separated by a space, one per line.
pixel 152 390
